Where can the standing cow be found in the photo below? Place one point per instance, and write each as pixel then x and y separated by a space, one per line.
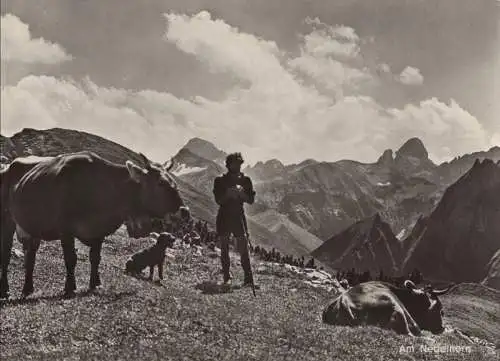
pixel 78 195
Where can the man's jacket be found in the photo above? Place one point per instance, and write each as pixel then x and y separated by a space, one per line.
pixel 231 215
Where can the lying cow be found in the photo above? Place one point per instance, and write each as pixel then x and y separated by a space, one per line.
pixel 77 195
pixel 406 310
pixel 151 256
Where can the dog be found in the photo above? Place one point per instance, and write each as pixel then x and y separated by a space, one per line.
pixel 151 256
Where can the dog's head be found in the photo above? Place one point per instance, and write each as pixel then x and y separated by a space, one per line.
pixel 165 240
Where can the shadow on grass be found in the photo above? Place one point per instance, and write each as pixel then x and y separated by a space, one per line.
pixel 112 297
pixel 141 277
pixel 214 288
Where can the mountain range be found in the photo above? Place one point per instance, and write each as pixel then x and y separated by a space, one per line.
pixel 326 197
pixel 400 212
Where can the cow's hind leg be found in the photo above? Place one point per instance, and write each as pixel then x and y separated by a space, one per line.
pixel 151 272
pixel 30 247
pixel 95 260
pixel 68 246
pixel 7 235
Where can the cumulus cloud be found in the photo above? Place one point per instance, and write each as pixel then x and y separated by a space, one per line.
pixel 411 76
pixel 224 49
pixel 18 45
pixel 495 138
pixel 291 107
pixel 142 120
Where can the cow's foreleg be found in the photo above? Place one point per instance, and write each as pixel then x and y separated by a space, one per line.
pixel 151 272
pixel 95 260
pixel 7 235
pixel 160 270
pixel 30 247
pixel 68 246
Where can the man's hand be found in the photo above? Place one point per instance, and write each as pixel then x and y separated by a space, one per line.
pixel 236 193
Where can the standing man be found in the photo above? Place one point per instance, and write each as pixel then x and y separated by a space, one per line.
pixel 231 191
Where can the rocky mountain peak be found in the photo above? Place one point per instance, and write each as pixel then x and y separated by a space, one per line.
pixel 204 149
pixel 387 158
pixel 368 244
pixel 413 147
pixel 266 170
pixel 274 163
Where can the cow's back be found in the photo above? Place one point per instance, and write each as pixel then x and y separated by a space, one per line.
pixel 366 303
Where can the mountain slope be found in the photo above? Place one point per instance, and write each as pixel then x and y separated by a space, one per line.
pixel 296 240
pixel 492 278
pixel 367 245
pixel 463 233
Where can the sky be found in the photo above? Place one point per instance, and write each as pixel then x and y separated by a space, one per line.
pixel 285 79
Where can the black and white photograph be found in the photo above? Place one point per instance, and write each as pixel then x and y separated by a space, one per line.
pixel 240 180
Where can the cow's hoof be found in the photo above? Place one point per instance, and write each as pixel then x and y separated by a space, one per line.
pixel 4 291
pixel 27 291
pixel 69 287
pixel 68 294
pixel 93 286
pixel 95 282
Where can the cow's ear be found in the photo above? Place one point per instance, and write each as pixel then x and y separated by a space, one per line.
pixel 136 172
pixel 410 285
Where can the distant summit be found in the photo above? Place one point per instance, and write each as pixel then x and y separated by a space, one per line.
pixel 205 149
pixel 386 159
pixel 413 147
pixel 266 170
pixel 367 245
pixel 412 159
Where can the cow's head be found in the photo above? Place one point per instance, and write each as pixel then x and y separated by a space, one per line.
pixel 425 306
pixel 158 193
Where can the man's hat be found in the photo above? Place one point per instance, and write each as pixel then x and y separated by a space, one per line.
pixel 234 157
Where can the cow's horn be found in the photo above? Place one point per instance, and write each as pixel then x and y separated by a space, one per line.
pixel 443 291
pixel 409 284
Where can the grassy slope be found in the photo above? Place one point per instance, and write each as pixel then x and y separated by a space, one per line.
pixel 475 309
pixel 131 319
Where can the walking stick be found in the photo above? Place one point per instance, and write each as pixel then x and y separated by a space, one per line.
pixel 250 244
